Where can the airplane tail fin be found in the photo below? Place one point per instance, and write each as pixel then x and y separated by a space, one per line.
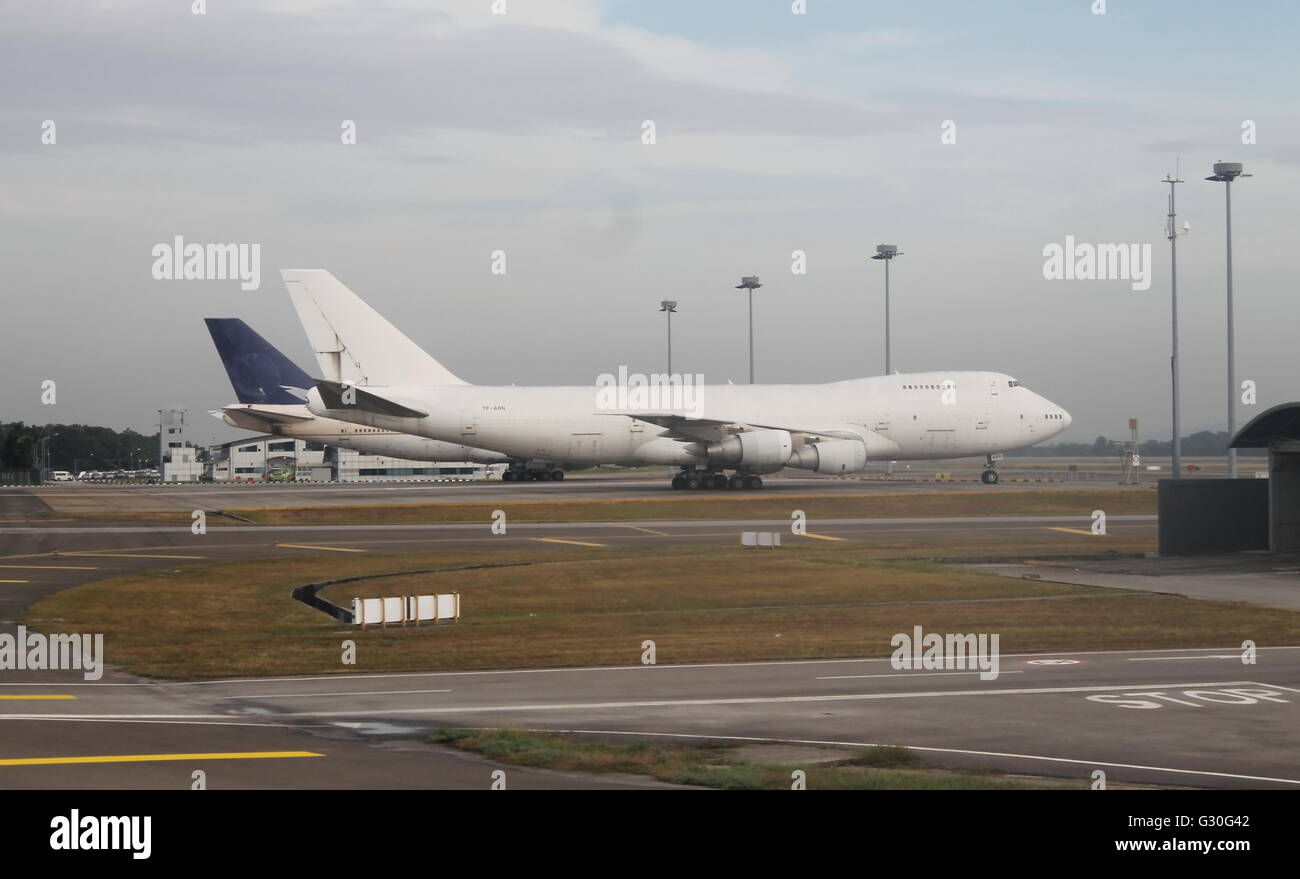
pixel 258 372
pixel 353 343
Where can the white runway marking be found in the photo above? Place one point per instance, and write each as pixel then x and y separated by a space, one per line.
pixel 676 703
pixel 304 695
pixel 922 674
pixel 1236 656
pixel 641 668
pixel 661 703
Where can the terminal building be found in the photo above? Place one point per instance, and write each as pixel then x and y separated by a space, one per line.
pixel 281 459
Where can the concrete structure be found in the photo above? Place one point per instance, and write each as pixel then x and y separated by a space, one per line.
pixel 1204 516
pixel 282 459
pixel 1278 430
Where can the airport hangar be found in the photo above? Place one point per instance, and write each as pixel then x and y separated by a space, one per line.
pixel 285 459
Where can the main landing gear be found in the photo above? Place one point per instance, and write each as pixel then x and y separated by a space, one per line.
pixel 716 481
pixel 990 474
pixel 536 474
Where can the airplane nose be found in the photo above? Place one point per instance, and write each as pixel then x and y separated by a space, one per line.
pixel 1065 416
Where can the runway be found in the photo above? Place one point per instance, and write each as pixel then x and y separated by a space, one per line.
pixel 1174 717
pixel 1212 721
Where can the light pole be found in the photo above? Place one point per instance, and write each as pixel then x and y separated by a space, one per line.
pixel 669 306
pixel 887 252
pixel 45 455
pixel 1172 233
pixel 750 283
pixel 1225 173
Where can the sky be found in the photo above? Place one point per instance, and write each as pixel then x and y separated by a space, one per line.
pixel 519 126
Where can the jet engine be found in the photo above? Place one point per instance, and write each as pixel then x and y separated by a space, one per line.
pixel 831 456
pixel 762 451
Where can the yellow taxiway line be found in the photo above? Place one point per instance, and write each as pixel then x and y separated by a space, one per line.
pixel 152 758
pixel 41 696
pixel 1073 531
pixel 52 567
pixel 574 542
pixel 128 555
pixel 821 536
pixel 648 530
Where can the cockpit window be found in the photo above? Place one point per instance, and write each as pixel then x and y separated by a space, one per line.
pixel 1013 384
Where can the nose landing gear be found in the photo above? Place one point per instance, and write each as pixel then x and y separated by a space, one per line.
pixel 990 474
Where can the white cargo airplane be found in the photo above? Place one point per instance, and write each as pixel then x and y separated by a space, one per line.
pixel 375 375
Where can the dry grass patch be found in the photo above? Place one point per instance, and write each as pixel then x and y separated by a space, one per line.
pixel 711 505
pixel 721 766
pixel 579 607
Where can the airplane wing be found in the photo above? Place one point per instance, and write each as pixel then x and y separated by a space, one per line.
pixel 682 427
pixel 274 417
pixel 688 429
pixel 253 418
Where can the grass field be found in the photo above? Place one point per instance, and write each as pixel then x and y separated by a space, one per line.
pixel 711 505
pixel 561 606
pixel 727 768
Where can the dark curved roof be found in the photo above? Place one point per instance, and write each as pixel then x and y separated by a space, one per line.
pixel 1279 423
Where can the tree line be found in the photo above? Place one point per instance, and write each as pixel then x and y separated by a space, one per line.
pixel 1204 443
pixel 76 447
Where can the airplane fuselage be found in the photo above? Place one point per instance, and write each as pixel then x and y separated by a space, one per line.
pixel 362 438
pixel 917 416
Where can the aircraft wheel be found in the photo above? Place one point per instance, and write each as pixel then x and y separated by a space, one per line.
pixel 989 477
pixel 557 475
pixel 753 483
pixel 691 482
pixel 736 482
pixel 679 482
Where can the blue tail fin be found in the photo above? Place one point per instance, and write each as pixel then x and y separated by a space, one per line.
pixel 258 372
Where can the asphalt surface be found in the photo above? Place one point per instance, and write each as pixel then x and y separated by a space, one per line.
pixel 71 498
pixel 1199 718
pixel 1268 580
pixel 1211 721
